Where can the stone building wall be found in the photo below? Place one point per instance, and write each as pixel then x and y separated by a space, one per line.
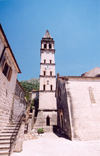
pixel 62 109
pixel 34 94
pixel 82 106
pixel 47 100
pixel 85 97
pixel 19 101
pixel 7 85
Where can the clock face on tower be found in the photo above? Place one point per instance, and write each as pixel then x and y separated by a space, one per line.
pixel 47 67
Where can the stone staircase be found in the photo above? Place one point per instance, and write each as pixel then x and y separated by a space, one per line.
pixel 5 136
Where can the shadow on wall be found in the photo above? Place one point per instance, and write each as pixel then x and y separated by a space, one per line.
pixel 35 103
pixel 57 131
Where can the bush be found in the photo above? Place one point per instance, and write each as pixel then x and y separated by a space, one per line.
pixel 40 130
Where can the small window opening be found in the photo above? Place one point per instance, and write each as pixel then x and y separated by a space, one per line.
pixel 50 73
pixel 44 61
pixel 50 87
pixel 44 87
pixel 47 82
pixel 45 46
pixel 7 71
pixel 48 121
pixel 6 93
pixel 59 93
pixel 50 61
pixel 49 46
pixel 92 98
pixel 44 73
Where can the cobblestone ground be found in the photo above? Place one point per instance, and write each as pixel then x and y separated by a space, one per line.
pixel 51 145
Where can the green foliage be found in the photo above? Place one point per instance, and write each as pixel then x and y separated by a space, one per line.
pixel 28 87
pixel 40 130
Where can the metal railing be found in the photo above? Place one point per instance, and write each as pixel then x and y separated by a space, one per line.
pixel 15 131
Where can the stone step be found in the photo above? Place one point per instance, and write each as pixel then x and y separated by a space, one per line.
pixel 12 124
pixel 4 142
pixel 6 134
pixel 5 138
pixel 10 128
pixel 4 152
pixel 8 131
pixel 4 146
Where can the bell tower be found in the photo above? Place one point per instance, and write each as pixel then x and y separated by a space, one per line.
pixel 47 112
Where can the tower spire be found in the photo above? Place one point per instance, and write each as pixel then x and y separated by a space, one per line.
pixel 47 34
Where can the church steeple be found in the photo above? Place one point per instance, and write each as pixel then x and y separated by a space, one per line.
pixel 47 42
pixel 47 116
pixel 47 34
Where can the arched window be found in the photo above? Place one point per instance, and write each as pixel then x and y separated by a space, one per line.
pixel 49 46
pixel 44 73
pixel 59 93
pixel 51 87
pixel 44 61
pixel 48 121
pixel 7 71
pixel 44 87
pixel 92 98
pixel 50 61
pixel 50 73
pixel 45 46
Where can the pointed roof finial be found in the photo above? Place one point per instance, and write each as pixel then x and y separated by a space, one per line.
pixel 47 35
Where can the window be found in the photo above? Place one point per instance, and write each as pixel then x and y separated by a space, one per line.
pixel 50 73
pixel 48 121
pixel 49 46
pixel 47 82
pixel 50 61
pixel 44 73
pixel 44 61
pixel 7 71
pixel 44 87
pixel 45 46
pixel 59 93
pixel 92 99
pixel 50 87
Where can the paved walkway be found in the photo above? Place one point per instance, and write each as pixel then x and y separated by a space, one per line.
pixel 52 145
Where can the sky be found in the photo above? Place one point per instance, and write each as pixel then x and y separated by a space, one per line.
pixel 73 24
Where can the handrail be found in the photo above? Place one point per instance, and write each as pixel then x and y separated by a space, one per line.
pixel 14 131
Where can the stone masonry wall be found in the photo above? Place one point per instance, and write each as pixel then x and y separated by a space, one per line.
pixel 85 107
pixel 7 89
pixel 47 100
pixel 19 102
pixel 62 106
pixel 6 99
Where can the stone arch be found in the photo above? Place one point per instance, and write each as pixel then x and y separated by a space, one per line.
pixel 44 87
pixel 49 46
pixel 48 121
pixel 45 46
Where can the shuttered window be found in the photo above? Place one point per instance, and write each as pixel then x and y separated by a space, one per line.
pixel 9 74
pixel 7 71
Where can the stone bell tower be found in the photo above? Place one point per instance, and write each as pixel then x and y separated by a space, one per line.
pixel 47 112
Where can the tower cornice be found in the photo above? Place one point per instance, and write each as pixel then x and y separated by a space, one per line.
pixel 47 76
pixel 48 50
pixel 47 64
pixel 47 40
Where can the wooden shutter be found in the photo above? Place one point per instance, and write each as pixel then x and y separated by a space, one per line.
pixel 9 74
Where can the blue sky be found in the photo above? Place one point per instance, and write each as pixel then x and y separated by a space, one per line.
pixel 74 25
